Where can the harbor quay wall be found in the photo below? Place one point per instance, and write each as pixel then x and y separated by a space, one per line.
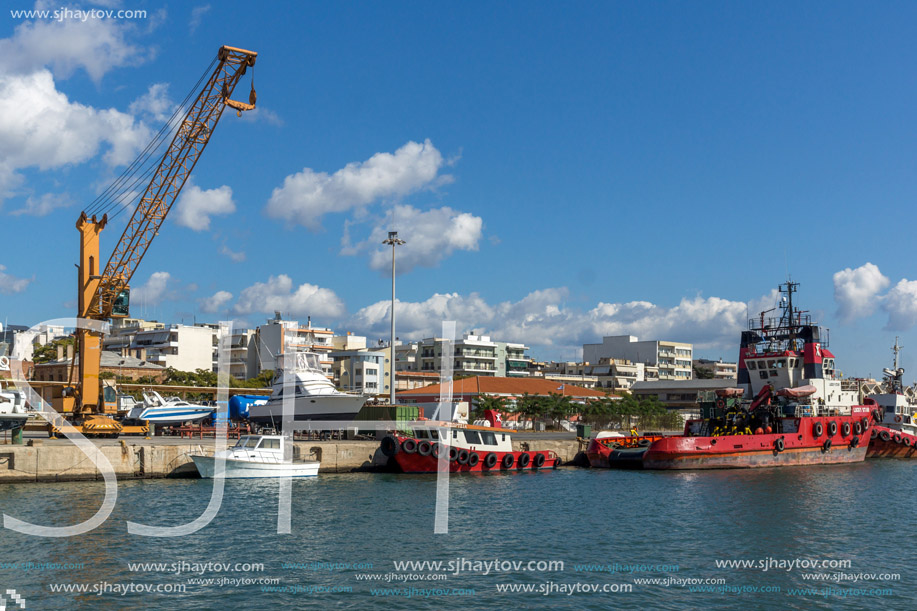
pixel 63 461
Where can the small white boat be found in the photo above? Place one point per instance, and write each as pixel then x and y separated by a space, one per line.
pixel 157 410
pixel 255 456
pixel 13 411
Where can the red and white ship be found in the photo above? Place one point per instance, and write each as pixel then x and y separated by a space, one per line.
pixel 895 433
pixel 467 448
pixel 799 414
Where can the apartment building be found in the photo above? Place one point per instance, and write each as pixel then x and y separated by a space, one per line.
pixel 361 371
pixel 472 355
pixel 672 359
pixel 182 347
pixel 718 369
pixel 278 336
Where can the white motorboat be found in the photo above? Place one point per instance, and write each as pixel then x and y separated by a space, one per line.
pixel 13 411
pixel 255 456
pixel 157 410
pixel 315 397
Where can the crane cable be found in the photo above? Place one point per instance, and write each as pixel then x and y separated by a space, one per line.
pixel 118 194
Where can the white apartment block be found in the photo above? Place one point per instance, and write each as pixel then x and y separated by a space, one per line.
pixel 278 336
pixel 361 371
pixel 672 359
pixel 185 348
pixel 720 370
pixel 473 355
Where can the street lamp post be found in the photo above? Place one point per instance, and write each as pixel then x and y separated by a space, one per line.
pixel 394 240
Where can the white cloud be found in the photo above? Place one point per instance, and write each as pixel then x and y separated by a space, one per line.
pixel 196 206
pixel 278 294
pixel 235 256
pixel 155 103
pixel 901 305
pixel 197 14
pixel 11 284
pixel 216 301
pixel 261 114
pixel 542 318
pixel 155 291
pixel 96 45
pixel 40 127
pixel 44 205
pixel 856 291
pixel 431 236
pixel 308 195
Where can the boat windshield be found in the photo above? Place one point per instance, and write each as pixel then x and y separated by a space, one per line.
pixel 252 442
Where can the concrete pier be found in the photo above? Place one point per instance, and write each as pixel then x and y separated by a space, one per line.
pixel 136 458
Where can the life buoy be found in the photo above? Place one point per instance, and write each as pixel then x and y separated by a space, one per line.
pixel 453 454
pixel 898 418
pixel 832 428
pixel 390 446
pixel 523 462
pixel 490 461
pixel 845 429
pixel 462 457
pixel 473 459
pixel 539 460
pixel 779 445
pixel 826 446
pixel 885 436
pixel 424 448
pixel 720 403
pixel 818 429
pixel 507 461
pixel 409 446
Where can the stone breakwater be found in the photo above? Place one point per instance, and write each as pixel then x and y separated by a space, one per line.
pixel 59 460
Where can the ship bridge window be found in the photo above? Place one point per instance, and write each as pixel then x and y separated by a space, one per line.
pixel 752 365
pixel 763 374
pixel 488 438
pixel 251 442
pixel 781 364
pixel 420 433
pixel 771 364
pixel 472 437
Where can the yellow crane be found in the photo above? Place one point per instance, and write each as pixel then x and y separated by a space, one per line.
pixel 105 293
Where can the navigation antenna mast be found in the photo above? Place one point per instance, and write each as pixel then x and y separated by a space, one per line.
pixel 789 288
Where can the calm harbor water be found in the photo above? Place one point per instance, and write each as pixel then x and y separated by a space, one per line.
pixel 348 531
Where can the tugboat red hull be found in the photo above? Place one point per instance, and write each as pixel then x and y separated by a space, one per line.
pixel 800 447
pixel 418 456
pixel 891 443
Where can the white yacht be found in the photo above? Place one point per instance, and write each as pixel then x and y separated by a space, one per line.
pixel 315 397
pixel 255 456
pixel 158 410
pixel 13 411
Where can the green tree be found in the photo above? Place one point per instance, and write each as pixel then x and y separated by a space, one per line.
pixel 48 352
pixel 702 374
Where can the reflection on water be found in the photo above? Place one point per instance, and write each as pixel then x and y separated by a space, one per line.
pixel 579 516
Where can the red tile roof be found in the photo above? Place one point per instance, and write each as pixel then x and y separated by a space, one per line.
pixel 487 385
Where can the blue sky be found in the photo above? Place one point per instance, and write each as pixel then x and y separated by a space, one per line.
pixel 559 172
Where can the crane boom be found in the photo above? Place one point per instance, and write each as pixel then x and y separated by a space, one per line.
pixel 177 163
pixel 103 295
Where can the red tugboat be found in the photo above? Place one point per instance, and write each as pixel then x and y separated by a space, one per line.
pixel 895 433
pixel 809 420
pixel 469 448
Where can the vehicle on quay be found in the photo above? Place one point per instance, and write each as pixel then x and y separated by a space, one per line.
pixel 466 448
pixel 314 395
pixel 895 432
pixel 254 456
pixel 798 413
